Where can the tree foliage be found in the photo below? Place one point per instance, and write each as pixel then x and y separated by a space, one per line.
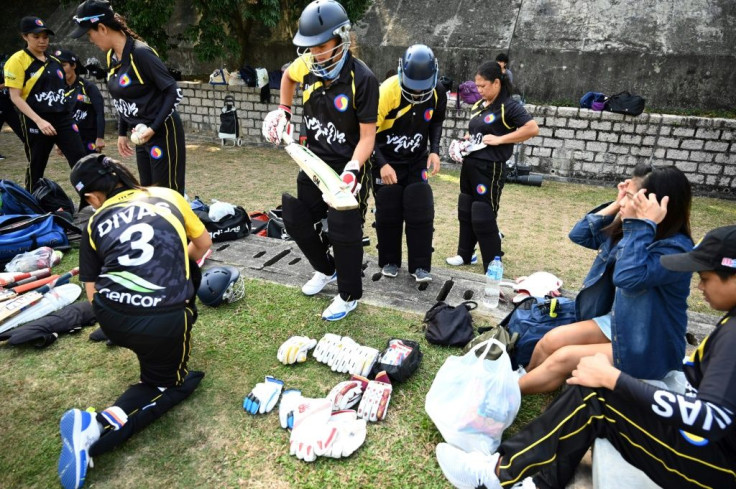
pixel 225 29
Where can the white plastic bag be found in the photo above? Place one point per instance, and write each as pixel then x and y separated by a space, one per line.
pixel 43 257
pixel 219 77
pixel 472 400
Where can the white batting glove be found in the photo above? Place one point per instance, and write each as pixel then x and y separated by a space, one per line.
pixel 457 150
pixel 325 345
pixel 338 350
pixel 364 361
pixel 350 175
pixel 276 123
pixel 264 396
pixel 311 435
pixel 295 349
pixel 349 435
pixel 344 358
pixel 290 399
pixel 347 394
pixel 376 398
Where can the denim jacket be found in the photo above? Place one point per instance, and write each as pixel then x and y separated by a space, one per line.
pixel 648 303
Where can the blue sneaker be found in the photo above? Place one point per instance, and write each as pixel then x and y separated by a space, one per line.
pixel 79 430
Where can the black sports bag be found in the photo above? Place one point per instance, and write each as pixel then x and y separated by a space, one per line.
pixel 625 103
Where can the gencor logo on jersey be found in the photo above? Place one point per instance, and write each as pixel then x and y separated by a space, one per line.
pixel 129 298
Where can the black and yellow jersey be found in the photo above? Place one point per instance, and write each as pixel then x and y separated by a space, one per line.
pixel 41 83
pixel 405 130
pixel 134 249
pixel 142 89
pixel 86 106
pixel 333 114
pixel 501 117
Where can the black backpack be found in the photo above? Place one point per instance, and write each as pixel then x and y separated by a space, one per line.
pixel 625 103
pixel 448 325
pixel 52 197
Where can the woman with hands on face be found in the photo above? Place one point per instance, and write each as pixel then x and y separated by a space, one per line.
pixel 630 309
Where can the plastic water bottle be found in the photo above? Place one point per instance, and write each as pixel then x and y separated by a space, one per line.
pixel 492 291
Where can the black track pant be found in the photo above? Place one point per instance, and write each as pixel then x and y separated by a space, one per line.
pixel 554 443
pixel 38 146
pixel 162 343
pixel 162 160
pixel 481 181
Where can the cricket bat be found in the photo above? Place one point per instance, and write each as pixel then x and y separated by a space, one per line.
pixel 10 308
pixel 53 300
pixel 11 290
pixel 324 177
pixel 9 279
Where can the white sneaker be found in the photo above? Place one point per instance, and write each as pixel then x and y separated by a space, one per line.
pixel 318 282
pixel 468 470
pixel 338 309
pixel 457 260
pixel 79 430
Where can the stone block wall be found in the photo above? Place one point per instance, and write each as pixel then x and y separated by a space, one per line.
pixel 573 144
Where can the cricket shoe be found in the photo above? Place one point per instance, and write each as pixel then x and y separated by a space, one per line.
pixel 338 309
pixel 457 260
pixel 421 275
pixel 468 470
pixel 79 430
pixel 318 282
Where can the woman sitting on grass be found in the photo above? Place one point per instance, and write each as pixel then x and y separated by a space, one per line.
pixel 630 308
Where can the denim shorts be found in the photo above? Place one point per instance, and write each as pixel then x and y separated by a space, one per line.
pixel 604 322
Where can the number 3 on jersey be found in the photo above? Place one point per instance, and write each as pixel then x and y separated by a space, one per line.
pixel 141 244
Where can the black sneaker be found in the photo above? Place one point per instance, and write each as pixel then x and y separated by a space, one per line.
pixel 390 270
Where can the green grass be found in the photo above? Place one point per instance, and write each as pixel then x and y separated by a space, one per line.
pixel 209 441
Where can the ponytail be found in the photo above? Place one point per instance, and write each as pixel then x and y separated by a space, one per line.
pixel 491 71
pixel 115 175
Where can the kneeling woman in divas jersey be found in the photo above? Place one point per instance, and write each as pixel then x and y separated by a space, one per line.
pixel 137 260
pixel 143 92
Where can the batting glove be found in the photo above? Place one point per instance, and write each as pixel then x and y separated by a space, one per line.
pixel 275 124
pixel 364 361
pixel 338 350
pixel 457 150
pixel 325 345
pixel 311 435
pixel 290 399
pixel 344 357
pixel 374 404
pixel 350 434
pixel 347 394
pixel 264 396
pixel 350 175
pixel 295 349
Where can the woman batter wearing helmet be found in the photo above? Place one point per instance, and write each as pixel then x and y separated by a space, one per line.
pixel 339 125
pixel 411 111
pixel 137 259
pixel 85 101
pixel 497 122
pixel 36 84
pixel 143 92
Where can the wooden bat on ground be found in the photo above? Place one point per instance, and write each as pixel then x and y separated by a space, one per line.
pixel 25 286
pixel 12 307
pixel 9 279
pixel 9 291
pixel 329 182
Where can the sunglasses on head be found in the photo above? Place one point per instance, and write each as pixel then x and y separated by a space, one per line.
pixel 91 18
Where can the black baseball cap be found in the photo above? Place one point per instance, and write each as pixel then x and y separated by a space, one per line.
pixel 88 170
pixel 716 251
pixel 33 25
pixel 66 56
pixel 89 13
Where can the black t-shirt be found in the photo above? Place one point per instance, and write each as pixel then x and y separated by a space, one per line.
pixel 499 118
pixel 140 85
pixel 87 107
pixel 405 130
pixel 711 368
pixel 332 115
pixel 41 83
pixel 134 249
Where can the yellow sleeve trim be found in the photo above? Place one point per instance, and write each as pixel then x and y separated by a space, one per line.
pixel 299 68
pixel 135 68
